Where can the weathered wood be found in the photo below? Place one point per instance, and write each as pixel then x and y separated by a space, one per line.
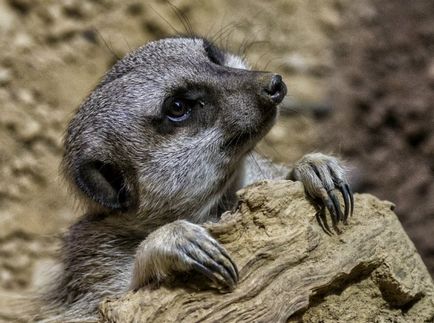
pixel 291 270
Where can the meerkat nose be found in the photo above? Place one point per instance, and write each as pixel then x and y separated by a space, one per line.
pixel 276 89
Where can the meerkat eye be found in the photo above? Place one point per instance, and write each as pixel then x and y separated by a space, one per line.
pixel 178 109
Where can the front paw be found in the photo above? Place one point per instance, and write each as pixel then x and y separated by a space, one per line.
pixel 321 176
pixel 182 246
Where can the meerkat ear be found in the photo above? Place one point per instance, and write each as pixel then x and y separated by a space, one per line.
pixel 105 184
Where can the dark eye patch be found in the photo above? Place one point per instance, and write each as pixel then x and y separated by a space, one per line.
pixel 214 54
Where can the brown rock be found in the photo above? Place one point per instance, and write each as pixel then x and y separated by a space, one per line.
pixel 291 270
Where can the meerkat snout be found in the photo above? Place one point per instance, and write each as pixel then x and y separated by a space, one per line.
pixel 276 89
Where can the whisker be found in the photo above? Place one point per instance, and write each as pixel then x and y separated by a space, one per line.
pixel 228 39
pixel 165 20
pixel 244 44
pixel 248 46
pixel 257 165
pixel 269 61
pixel 253 156
pixel 112 52
pixel 272 147
pixel 126 42
pixel 229 28
pixel 185 21
pixel 255 65
pixel 210 30
pixel 215 38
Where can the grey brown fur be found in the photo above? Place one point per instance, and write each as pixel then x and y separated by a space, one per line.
pixel 149 179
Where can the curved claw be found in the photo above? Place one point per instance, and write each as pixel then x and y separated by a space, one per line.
pixel 350 193
pixel 336 204
pixel 322 219
pixel 234 272
pixel 346 192
pixel 208 273
pixel 321 176
pixel 331 207
pixel 209 258
pixel 223 272
pixel 347 200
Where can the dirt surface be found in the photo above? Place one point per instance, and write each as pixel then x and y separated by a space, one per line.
pixel 53 54
pixel 371 272
pixel 384 115
pixel 379 54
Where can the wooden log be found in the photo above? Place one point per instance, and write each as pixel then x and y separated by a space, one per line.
pixel 291 270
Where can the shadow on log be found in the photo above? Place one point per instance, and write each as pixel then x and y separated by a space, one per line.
pixel 290 270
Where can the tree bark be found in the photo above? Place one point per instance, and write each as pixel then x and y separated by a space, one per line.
pixel 291 270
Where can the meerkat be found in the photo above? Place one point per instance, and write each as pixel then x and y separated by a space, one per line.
pixel 159 147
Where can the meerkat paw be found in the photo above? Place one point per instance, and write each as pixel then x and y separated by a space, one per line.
pixel 322 176
pixel 182 246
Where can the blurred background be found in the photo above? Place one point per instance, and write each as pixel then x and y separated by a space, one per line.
pixel 360 75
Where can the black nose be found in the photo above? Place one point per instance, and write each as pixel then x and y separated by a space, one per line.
pixel 276 89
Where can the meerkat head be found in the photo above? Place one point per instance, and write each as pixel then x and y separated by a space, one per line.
pixel 165 130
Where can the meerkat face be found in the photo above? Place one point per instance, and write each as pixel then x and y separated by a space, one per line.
pixel 164 131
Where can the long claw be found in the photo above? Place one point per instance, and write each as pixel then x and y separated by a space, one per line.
pixel 345 190
pixel 208 273
pixel 222 271
pixel 336 204
pixel 347 203
pixel 235 272
pixel 346 196
pixel 332 201
pixel 350 193
pixel 322 219
pixel 330 206
pixel 227 272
